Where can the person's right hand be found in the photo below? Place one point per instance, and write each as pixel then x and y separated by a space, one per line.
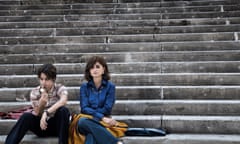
pixel 43 121
pixel 44 98
pixel 109 121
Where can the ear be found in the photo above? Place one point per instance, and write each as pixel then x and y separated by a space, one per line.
pixel 104 70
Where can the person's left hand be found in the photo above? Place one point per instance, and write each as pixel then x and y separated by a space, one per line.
pixel 43 122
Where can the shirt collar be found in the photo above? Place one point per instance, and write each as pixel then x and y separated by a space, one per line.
pixel 91 83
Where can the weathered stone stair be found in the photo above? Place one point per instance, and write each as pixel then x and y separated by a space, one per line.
pixel 175 63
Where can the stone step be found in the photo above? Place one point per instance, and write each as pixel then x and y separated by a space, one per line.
pixel 140 67
pixel 120 47
pixel 143 16
pixel 120 23
pixel 173 1
pixel 52 32
pixel 142 93
pixel 8 2
pixel 133 79
pixel 156 107
pixel 90 10
pixel 201 124
pixel 127 57
pixel 143 38
pixel 131 4
pixel 30 2
pixel 186 124
pixel 124 93
pixel 193 3
pixel 200 15
pixel 172 124
pixel 200 1
pixel 89 6
pixel 175 107
pixel 168 139
pixel 169 3
pixel 137 30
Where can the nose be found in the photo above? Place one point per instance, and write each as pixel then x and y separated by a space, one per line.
pixel 43 82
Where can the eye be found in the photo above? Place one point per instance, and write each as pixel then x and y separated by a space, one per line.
pixel 98 66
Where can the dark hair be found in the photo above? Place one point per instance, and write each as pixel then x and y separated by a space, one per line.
pixel 49 70
pixel 90 64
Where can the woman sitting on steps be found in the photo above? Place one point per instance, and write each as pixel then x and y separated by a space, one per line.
pixel 97 98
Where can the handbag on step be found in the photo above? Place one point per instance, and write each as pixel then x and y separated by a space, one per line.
pixel 15 114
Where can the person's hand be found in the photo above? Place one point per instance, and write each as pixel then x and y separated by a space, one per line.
pixel 44 98
pixel 43 121
pixel 109 121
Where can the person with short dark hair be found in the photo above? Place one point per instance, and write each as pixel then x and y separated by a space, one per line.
pixel 49 117
pixel 97 98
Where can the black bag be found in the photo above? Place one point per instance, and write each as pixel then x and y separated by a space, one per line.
pixel 145 132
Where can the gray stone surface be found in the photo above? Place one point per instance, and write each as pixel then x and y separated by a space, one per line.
pixel 169 139
pixel 175 63
pixel 120 47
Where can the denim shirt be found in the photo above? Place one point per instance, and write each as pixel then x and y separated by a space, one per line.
pixel 97 102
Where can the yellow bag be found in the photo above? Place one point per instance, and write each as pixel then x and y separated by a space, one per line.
pixel 76 138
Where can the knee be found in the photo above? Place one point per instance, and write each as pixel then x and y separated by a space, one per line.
pixel 63 111
pixel 82 123
pixel 27 117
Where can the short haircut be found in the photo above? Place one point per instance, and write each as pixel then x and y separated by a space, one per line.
pixel 49 70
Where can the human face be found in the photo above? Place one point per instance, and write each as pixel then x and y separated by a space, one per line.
pixel 45 82
pixel 97 70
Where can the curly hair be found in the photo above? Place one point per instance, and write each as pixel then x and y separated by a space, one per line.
pixel 90 64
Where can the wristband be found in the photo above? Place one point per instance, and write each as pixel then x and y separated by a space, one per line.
pixel 48 114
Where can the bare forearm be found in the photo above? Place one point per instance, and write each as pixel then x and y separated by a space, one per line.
pixel 58 104
pixel 40 108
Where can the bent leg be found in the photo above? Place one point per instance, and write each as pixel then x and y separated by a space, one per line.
pixel 26 122
pixel 99 133
pixel 90 139
pixel 59 124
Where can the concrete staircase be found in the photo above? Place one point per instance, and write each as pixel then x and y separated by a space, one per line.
pixel 176 64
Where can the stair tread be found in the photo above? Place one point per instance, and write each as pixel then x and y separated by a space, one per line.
pixel 192 91
pixel 210 138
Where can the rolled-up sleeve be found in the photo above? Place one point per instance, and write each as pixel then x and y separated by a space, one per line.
pixel 34 97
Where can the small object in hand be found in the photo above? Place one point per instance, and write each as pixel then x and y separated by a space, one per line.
pixel 41 90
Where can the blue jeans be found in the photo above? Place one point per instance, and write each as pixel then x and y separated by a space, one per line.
pixel 95 133
pixel 57 126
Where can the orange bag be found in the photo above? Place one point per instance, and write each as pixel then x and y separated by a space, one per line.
pixel 76 138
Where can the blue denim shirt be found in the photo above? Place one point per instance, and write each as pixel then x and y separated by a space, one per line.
pixel 97 102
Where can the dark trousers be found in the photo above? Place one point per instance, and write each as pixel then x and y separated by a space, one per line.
pixel 57 126
pixel 95 133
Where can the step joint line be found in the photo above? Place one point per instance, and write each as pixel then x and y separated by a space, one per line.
pixel 236 36
pixel 162 93
pixel 221 8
